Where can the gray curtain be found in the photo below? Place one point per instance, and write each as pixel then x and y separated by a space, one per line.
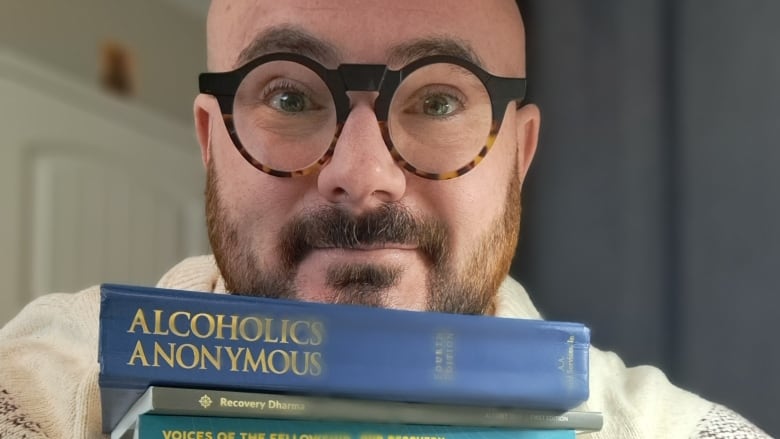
pixel 652 211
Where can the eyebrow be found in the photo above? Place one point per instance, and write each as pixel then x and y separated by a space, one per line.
pixel 407 52
pixel 286 38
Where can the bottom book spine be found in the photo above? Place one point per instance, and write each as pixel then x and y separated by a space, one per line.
pixel 207 427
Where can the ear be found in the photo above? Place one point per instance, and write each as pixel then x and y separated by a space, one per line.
pixel 206 112
pixel 527 120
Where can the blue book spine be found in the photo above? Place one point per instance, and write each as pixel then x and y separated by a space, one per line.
pixel 151 336
pixel 192 427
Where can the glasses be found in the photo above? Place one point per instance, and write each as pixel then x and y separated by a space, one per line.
pixel 439 115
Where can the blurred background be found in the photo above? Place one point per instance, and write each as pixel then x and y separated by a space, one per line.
pixel 101 177
pixel 651 212
pixel 652 209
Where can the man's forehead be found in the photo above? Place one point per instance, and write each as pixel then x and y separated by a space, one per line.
pixel 358 31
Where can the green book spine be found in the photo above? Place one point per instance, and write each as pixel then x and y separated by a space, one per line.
pixel 203 427
pixel 222 403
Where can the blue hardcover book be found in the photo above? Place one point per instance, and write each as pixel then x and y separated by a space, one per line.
pixel 202 427
pixel 151 336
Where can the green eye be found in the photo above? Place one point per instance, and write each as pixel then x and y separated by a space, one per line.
pixel 440 105
pixel 289 102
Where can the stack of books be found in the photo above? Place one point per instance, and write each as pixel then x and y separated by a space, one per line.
pixel 186 365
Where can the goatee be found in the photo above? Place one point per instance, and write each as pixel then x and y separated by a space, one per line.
pixel 468 289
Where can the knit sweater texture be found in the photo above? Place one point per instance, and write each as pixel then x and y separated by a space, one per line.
pixel 49 372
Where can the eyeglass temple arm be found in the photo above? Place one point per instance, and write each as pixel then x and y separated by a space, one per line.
pixel 221 86
pixel 503 90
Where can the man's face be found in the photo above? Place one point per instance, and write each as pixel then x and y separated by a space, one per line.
pixel 362 229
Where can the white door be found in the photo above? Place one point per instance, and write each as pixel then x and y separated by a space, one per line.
pixel 92 189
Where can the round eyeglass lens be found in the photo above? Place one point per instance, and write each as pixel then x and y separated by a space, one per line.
pixel 284 115
pixel 440 118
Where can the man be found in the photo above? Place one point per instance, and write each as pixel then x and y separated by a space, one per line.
pixel 333 178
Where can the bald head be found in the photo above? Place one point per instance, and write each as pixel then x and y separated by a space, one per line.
pixel 365 31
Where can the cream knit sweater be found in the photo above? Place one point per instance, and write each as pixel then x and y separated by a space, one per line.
pixel 49 369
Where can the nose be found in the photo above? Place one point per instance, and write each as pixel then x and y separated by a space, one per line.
pixel 361 174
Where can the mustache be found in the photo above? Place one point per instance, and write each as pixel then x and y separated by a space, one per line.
pixel 334 227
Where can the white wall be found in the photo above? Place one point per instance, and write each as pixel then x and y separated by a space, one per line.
pixel 66 141
pixel 168 41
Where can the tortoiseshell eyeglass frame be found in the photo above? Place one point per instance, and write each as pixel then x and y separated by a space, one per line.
pixel 363 77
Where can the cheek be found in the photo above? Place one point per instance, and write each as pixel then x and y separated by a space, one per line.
pixel 469 207
pixel 472 203
pixel 257 204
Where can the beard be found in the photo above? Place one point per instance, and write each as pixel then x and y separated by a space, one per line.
pixel 470 288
